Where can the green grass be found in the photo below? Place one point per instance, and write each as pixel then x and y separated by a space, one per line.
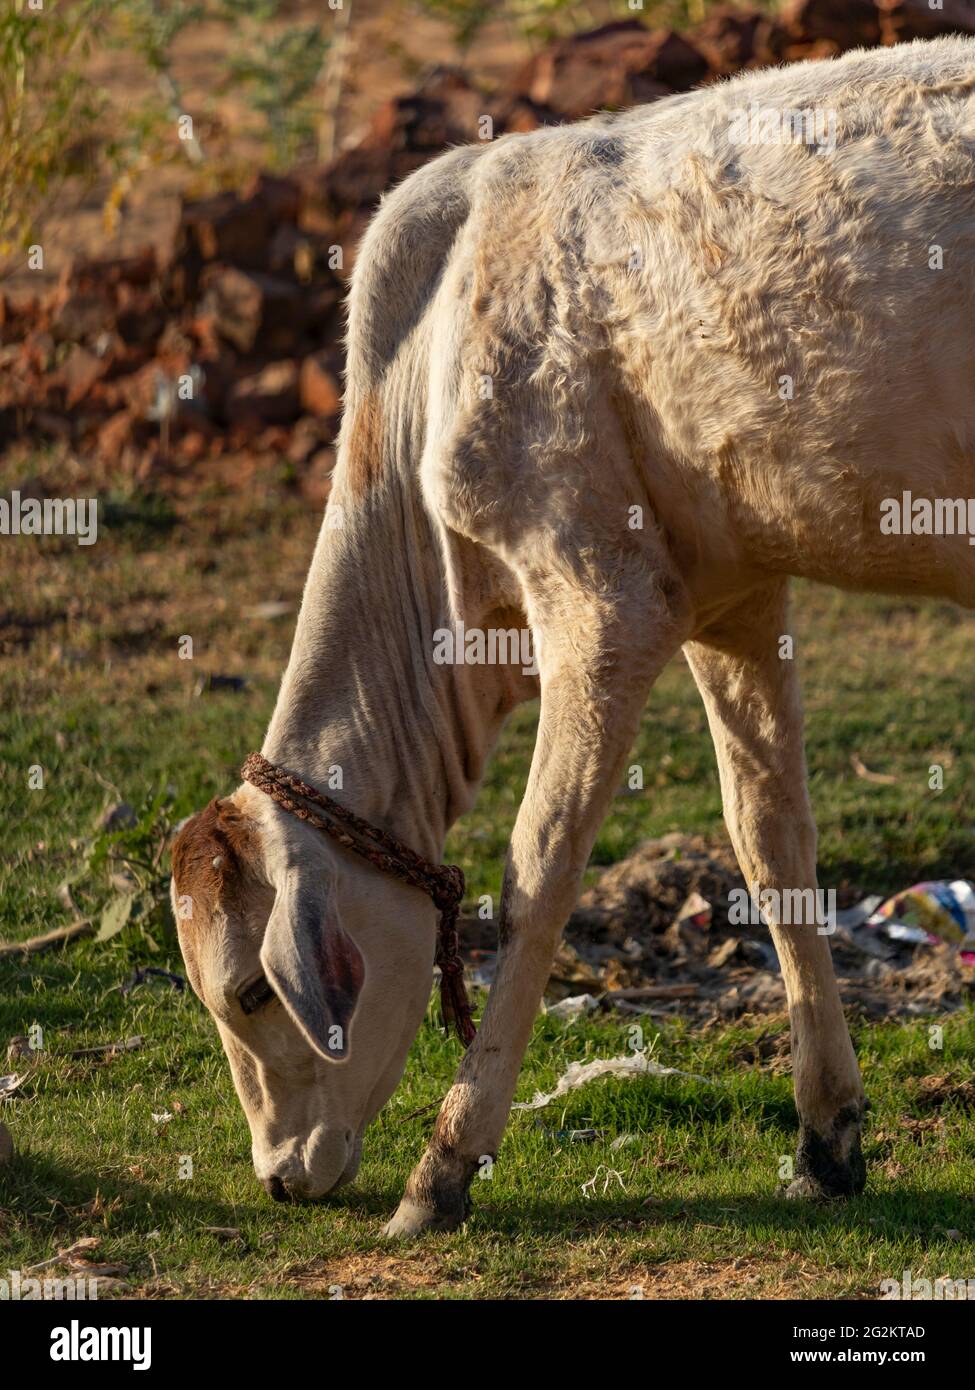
pixel 698 1183
pixel 92 690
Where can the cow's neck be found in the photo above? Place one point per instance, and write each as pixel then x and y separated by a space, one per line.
pixel 361 692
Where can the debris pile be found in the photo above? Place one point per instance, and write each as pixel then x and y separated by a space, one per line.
pixel 658 935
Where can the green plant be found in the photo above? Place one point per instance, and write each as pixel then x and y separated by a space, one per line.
pixel 279 72
pixel 151 29
pixel 465 17
pixel 154 27
pixel 542 20
pixel 276 70
pixel 127 863
pixel 47 108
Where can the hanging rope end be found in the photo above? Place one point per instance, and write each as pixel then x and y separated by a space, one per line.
pixel 456 1008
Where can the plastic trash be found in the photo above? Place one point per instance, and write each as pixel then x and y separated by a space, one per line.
pixel 930 913
pixel 696 912
pixel 580 1073
pixel 576 1006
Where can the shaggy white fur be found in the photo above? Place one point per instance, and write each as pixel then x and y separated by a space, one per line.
pixel 617 382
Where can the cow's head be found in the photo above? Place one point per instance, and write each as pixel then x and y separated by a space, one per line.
pixel 347 957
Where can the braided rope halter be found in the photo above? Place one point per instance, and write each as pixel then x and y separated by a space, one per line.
pixel 444 883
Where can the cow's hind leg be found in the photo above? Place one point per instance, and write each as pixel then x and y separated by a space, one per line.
pixel 754 709
pixel 604 636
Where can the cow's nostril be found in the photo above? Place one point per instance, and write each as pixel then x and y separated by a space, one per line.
pixel 275 1188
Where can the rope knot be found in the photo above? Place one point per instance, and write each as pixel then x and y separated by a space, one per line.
pixel 450 888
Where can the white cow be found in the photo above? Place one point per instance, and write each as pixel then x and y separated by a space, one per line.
pixel 613 382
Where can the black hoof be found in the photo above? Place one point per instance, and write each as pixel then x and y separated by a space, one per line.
pixel 831 1166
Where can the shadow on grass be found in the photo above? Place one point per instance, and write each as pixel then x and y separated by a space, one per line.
pixel 53 1198
pixel 670 1103
pixel 910 1213
pixel 35 1189
pixel 889 872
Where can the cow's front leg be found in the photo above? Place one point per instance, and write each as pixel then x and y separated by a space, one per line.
pixel 752 698
pixel 599 655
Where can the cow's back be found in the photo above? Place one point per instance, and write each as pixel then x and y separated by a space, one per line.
pixel 806 341
pixel 782 332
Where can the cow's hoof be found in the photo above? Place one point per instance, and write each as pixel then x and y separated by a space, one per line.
pixel 437 1194
pixel 833 1167
pixel 413 1218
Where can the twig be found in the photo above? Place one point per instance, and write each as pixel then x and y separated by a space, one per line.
pixel 107 1049
pixel 103 782
pixel 654 992
pixel 170 88
pixel 884 779
pixel 334 78
pixel 86 1243
pixel 423 1110
pixel 50 938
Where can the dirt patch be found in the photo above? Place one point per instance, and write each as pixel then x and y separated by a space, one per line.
pixel 376 1276
pixel 380 1276
pixel 755 1277
pixel 932 1092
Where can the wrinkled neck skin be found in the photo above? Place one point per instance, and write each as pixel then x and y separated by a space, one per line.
pixel 361 691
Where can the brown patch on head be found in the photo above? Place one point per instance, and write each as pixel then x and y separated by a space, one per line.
pixel 365 458
pixel 215 857
pixel 212 850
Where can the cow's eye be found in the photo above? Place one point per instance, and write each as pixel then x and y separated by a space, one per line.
pixel 255 995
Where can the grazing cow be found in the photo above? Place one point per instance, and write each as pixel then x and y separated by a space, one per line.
pixel 613 383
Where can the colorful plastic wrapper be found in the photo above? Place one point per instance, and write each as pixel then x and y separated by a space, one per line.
pixel 931 912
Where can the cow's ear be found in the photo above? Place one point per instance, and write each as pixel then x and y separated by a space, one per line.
pixel 314 967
